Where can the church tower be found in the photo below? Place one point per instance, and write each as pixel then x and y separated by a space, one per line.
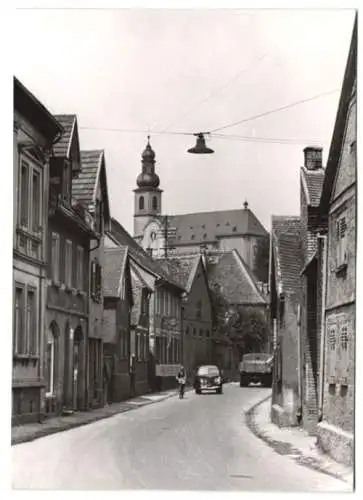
pixel 147 193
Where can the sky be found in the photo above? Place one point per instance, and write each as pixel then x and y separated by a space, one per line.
pixel 190 71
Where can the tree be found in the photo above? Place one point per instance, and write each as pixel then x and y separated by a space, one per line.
pixel 262 259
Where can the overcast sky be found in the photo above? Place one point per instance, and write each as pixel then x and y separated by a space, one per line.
pixel 140 69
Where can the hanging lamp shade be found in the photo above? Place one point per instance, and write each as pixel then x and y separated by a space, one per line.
pixel 200 148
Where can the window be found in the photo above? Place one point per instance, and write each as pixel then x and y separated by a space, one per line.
pixel 24 198
pixel 80 266
pixel 18 325
pixel 187 330
pixel 341 247
pixel 155 203
pixel 165 303
pixel 344 334
pixel 141 203
pixel 331 358
pixel 68 264
pixel 55 258
pixel 36 202
pixel 31 322
pixel 50 364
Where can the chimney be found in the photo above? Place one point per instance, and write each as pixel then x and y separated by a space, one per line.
pixel 313 158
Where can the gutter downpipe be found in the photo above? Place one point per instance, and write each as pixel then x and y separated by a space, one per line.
pixel 299 386
pixel 323 240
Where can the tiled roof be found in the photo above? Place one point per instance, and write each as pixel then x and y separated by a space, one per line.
pixel 114 266
pixel 83 186
pixel 313 180
pixel 209 226
pixel 287 251
pixel 235 283
pixel 120 234
pixel 182 268
pixel 60 149
pixel 285 223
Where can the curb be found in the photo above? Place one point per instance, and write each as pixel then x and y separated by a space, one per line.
pixel 89 420
pixel 285 448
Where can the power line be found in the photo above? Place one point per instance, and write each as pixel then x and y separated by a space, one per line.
pixel 215 91
pixel 272 140
pixel 222 136
pixel 276 110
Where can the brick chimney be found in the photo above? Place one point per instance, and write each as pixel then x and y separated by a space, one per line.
pixel 313 158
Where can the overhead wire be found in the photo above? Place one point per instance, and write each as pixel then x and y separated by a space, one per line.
pixel 214 133
pixel 215 91
pixel 275 110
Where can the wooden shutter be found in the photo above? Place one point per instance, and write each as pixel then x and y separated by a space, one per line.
pixel 332 350
pixel 344 348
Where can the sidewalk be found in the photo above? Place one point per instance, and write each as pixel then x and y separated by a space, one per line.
pixel 294 442
pixel 29 432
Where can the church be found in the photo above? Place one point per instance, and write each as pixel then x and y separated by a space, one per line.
pixel 163 235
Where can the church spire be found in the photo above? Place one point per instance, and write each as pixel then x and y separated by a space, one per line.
pixel 148 178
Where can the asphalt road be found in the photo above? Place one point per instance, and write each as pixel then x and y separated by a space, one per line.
pixel 198 443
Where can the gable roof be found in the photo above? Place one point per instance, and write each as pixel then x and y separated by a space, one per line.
pixel 182 268
pixel 348 87
pixel 200 227
pixel 35 112
pixel 313 184
pixel 93 171
pixel 235 282
pixel 122 237
pixel 287 252
pixel 69 123
pixel 114 267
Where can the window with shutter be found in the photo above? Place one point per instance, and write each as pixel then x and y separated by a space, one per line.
pixel 332 349
pixel 341 247
pixel 344 339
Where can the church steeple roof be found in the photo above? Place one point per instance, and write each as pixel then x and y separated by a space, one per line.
pixel 148 178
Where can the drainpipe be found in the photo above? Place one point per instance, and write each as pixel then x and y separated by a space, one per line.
pixel 299 385
pixel 322 240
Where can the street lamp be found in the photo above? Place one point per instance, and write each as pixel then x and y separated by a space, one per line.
pixel 200 148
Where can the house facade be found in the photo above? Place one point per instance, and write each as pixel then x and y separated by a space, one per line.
pixel 35 132
pixel 311 183
pixel 285 315
pixel 190 271
pixel 186 233
pixel 70 232
pixel 90 189
pixel 338 254
pixel 118 303
pixel 156 323
pixel 236 300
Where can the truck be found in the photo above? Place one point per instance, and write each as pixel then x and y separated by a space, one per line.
pixel 256 367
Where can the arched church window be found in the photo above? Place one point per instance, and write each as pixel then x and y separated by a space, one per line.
pixel 155 203
pixel 141 203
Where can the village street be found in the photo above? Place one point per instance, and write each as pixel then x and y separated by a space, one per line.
pixel 199 443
